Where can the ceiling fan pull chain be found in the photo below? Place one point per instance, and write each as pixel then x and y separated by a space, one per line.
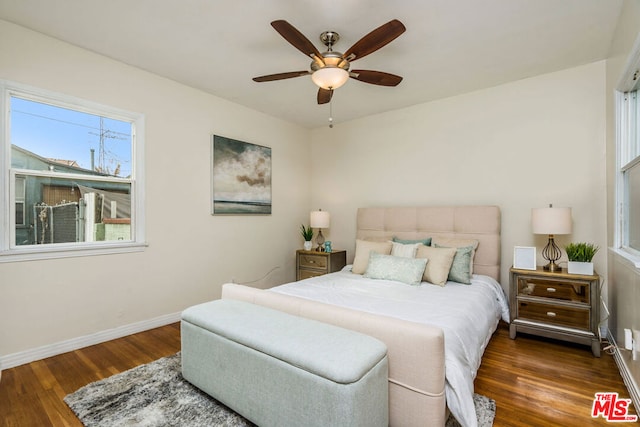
pixel 331 114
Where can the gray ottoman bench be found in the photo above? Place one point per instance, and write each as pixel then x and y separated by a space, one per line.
pixel 276 369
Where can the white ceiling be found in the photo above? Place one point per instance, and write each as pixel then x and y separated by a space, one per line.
pixel 450 46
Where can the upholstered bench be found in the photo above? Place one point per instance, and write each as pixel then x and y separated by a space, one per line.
pixel 276 369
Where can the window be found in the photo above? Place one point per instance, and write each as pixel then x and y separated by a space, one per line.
pixel 628 155
pixel 73 176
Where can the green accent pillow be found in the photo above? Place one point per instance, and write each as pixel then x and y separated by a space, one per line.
pixel 462 263
pixel 426 241
pixel 401 269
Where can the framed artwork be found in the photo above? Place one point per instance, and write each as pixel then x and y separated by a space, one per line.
pixel 524 257
pixel 240 177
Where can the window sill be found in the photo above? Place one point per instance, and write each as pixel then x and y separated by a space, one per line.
pixel 629 258
pixel 53 252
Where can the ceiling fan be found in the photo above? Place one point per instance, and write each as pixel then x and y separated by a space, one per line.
pixel 331 69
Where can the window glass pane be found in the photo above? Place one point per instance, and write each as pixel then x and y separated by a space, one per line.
pixel 632 181
pixel 47 137
pixel 63 210
pixel 19 213
pixel 19 196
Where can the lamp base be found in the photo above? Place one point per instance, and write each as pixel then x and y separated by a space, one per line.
pixel 552 266
pixel 552 253
pixel 320 241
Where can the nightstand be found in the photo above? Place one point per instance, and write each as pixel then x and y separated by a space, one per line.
pixel 312 263
pixel 556 305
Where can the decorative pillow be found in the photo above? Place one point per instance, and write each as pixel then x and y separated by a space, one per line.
pixel 363 249
pixel 451 242
pixel 440 260
pixel 462 265
pixel 426 241
pixel 401 269
pixel 404 250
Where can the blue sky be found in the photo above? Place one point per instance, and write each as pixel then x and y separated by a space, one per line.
pixel 54 132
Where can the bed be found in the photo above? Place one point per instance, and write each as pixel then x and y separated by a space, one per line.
pixel 459 318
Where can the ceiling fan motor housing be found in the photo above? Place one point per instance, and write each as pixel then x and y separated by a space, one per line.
pixel 330 59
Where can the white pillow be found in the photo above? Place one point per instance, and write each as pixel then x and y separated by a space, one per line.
pixel 404 250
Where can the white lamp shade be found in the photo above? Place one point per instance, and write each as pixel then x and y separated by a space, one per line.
pixel 319 219
pixel 330 77
pixel 551 220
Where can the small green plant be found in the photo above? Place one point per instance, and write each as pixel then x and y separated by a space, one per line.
pixel 307 233
pixel 581 252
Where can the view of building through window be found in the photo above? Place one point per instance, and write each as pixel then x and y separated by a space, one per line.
pixel 71 175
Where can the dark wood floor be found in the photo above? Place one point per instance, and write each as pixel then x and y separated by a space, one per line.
pixel 535 382
pixel 541 382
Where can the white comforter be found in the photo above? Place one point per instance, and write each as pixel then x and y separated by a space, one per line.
pixel 468 315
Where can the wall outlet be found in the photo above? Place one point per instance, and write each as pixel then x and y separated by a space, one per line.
pixel 628 339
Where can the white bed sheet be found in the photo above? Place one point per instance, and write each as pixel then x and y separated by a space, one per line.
pixel 468 315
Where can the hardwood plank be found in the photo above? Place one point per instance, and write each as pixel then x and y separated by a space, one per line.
pixel 535 381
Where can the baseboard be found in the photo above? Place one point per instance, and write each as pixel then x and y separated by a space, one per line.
pixel 27 356
pixel 625 370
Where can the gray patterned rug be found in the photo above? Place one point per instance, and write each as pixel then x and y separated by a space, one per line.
pixel 156 395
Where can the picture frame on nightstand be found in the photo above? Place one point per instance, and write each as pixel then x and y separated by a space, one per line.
pixel 524 257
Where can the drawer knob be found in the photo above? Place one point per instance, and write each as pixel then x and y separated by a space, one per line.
pixel 551 314
pixel 311 262
pixel 551 289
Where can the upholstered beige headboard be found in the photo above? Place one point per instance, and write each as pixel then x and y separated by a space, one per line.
pixel 465 222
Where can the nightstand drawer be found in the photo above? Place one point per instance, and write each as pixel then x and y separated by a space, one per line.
pixel 572 317
pixel 306 274
pixel 531 286
pixel 313 261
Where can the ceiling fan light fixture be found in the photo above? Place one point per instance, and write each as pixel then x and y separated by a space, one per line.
pixel 330 77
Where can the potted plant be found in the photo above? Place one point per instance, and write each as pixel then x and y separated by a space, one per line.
pixel 307 234
pixel 580 256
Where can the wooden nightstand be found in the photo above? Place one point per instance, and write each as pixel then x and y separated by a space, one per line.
pixel 312 263
pixel 556 305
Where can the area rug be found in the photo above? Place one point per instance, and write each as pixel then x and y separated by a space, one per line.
pixel 156 395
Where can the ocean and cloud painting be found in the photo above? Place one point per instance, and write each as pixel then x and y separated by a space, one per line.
pixel 241 177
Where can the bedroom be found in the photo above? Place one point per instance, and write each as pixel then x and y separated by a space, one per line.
pixel 426 147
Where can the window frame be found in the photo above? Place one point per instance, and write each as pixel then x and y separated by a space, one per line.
pixel 9 252
pixel 627 156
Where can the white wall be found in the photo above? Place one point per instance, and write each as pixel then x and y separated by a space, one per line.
pixel 190 253
pixel 520 145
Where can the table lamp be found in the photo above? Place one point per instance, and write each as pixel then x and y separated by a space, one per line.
pixel 319 219
pixel 551 221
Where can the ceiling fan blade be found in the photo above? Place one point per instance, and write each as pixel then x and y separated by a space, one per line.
pixel 376 39
pixel 375 77
pixel 280 76
pixel 324 95
pixel 295 37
